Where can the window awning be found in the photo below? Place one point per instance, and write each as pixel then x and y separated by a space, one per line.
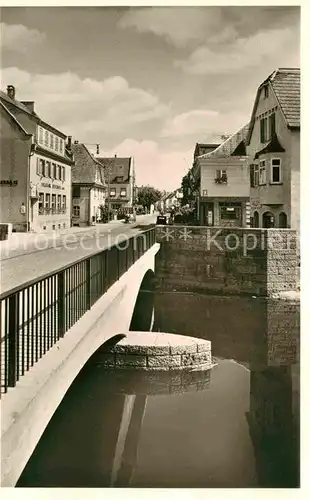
pixel 273 146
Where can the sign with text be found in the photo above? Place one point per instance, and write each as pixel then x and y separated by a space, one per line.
pixel 8 183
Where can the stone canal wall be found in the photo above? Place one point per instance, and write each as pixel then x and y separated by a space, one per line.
pixel 231 261
pixel 259 332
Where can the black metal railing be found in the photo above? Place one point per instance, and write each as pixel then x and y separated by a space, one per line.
pixel 37 314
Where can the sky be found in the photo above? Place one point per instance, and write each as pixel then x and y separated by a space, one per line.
pixel 146 82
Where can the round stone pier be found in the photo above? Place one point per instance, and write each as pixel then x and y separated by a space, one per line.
pixel 157 351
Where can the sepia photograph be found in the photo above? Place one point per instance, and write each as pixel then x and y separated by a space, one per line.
pixel 150 249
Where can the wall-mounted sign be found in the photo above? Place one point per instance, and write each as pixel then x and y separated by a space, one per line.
pixel 8 183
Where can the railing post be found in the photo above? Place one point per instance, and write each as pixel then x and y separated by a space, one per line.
pixel 88 285
pixel 13 362
pixel 61 295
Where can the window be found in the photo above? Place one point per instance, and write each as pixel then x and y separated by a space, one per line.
pixel 263 130
pixel 53 203
pixel 255 219
pixel 282 220
pixel 266 91
pixel 115 206
pixel 230 211
pixel 58 172
pixel 56 142
pixel 76 191
pixel 52 141
pixel 123 192
pixel 272 125
pixel 58 202
pixel 47 169
pixel 256 175
pixel 54 170
pixel 262 172
pixel 40 135
pixel 41 202
pixel 47 201
pixel 41 167
pixel 64 202
pixel 46 138
pixel 221 177
pixel 112 192
pixel 63 173
pixel 61 145
pixel 76 210
pixel 275 171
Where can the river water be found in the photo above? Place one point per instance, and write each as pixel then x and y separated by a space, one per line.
pixel 235 426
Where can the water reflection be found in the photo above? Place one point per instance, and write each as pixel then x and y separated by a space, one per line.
pixel 234 426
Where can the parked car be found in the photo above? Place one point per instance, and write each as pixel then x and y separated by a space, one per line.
pixel 162 219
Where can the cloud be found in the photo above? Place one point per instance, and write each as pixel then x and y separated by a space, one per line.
pixel 19 38
pixel 85 108
pixel 183 26
pixel 280 45
pixel 205 125
pixel 177 25
pixel 154 166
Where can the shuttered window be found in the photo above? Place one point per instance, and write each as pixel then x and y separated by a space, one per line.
pixel 272 125
pixel 252 176
pixel 263 130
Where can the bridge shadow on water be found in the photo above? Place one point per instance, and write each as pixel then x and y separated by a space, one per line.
pixel 234 426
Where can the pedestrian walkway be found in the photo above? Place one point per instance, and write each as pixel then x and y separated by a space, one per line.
pixel 23 240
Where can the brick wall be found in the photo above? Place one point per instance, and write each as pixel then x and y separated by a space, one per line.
pixel 226 261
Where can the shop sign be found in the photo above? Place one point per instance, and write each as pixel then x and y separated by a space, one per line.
pixel 8 183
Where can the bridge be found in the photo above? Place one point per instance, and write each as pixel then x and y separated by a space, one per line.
pixel 52 325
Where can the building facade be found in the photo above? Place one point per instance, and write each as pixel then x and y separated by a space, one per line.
pixel 88 187
pixel 224 189
pixel 120 179
pixel 35 169
pixel 273 146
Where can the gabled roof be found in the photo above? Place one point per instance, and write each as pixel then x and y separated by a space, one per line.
pixel 117 168
pixel 285 83
pixel 14 105
pixel 231 147
pixel 17 104
pixel 86 166
pixel 14 119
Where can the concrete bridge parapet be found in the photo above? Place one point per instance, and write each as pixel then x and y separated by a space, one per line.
pixel 27 408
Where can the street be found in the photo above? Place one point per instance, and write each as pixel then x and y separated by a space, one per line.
pixel 36 258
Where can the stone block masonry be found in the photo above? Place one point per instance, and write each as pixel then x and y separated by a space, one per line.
pixel 151 351
pixel 226 261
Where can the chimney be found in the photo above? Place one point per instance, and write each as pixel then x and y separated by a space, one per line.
pixel 69 144
pixel 115 156
pixel 11 91
pixel 29 105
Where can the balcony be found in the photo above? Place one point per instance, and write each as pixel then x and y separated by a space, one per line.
pixel 52 211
